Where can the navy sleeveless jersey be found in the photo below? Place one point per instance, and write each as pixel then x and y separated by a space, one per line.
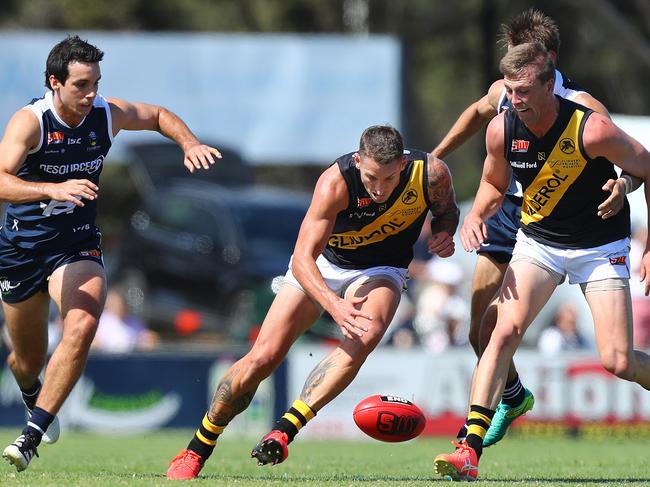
pixel 63 153
pixel 561 183
pixel 368 234
pixel 563 87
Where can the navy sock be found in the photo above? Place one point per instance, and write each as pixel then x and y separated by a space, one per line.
pixel 513 394
pixel 38 424
pixel 30 394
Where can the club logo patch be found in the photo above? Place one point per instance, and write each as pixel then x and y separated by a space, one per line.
pixel 567 146
pixel 410 197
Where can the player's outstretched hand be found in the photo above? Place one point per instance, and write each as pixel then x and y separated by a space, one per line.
pixel 615 201
pixel 442 244
pixel 347 316
pixel 473 232
pixel 200 156
pixel 72 190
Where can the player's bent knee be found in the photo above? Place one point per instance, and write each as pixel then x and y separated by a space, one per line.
pixel 506 336
pixel 263 363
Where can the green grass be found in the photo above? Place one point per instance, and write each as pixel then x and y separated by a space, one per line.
pixel 91 460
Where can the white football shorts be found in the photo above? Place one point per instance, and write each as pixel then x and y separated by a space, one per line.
pixel 339 279
pixel 609 261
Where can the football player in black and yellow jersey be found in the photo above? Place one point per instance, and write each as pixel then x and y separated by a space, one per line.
pixel 51 157
pixel 351 260
pixel 561 153
pixel 496 251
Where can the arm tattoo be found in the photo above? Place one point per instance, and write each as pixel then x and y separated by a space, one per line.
pixel 442 199
pixel 317 377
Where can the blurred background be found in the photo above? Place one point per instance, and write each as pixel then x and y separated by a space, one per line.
pixel 282 88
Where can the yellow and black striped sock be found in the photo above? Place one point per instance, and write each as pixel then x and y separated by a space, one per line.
pixel 205 438
pixel 478 422
pixel 295 418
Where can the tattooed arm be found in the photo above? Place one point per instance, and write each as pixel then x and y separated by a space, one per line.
pixel 443 207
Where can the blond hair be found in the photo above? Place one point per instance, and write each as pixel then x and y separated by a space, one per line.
pixel 523 56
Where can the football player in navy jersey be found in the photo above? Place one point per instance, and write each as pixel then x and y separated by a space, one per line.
pixel 561 235
pixel 495 253
pixel 51 157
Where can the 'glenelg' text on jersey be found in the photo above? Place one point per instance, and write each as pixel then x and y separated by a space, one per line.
pixel 561 184
pixel 63 153
pixel 369 234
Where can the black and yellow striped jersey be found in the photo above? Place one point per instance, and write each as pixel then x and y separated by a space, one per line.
pixel 562 186
pixel 369 234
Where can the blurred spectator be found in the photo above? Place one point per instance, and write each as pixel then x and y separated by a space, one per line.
pixel 442 315
pixel 401 333
pixel 119 331
pixel 640 302
pixel 562 334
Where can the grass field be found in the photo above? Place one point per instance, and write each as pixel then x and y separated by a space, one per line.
pixel 91 460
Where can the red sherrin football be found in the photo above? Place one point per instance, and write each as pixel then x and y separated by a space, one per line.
pixel 389 418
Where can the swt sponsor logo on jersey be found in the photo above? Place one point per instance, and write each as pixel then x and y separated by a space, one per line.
pixel 54 138
pixel 363 202
pixel 519 145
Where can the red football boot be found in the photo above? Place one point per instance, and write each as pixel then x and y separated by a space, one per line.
pixel 459 465
pixel 272 448
pixel 185 466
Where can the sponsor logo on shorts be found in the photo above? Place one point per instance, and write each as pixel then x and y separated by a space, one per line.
pixel 6 286
pixel 90 253
pixel 620 260
pixel 519 145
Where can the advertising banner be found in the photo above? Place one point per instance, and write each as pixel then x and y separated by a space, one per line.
pixel 133 393
pixel 572 391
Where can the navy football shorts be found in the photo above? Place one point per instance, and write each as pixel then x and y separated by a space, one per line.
pixel 502 230
pixel 25 272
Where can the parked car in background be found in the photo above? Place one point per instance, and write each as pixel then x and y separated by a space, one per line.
pixel 156 165
pixel 208 251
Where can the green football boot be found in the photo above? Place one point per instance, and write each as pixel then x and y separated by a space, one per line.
pixel 504 416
